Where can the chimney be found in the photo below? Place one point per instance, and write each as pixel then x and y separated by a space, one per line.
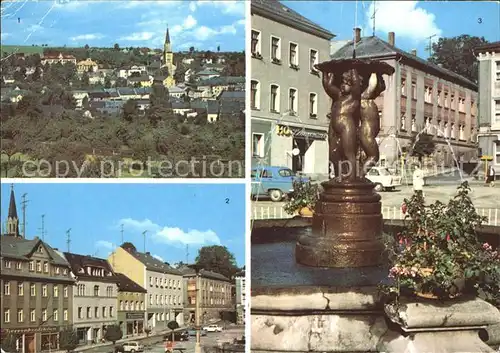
pixel 357 34
pixel 414 52
pixel 392 37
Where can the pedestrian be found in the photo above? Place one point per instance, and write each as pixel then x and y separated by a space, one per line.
pixel 418 180
pixel 490 177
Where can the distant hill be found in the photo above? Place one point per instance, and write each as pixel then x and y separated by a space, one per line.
pixel 26 49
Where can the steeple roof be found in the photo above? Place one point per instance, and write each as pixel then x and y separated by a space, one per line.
pixel 167 37
pixel 12 204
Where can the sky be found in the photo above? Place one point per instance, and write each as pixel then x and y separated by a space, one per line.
pixel 203 24
pixel 412 21
pixel 174 215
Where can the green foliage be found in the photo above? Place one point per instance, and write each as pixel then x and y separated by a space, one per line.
pixel 439 252
pixel 8 343
pixel 113 333
pixel 68 339
pixel 457 54
pixel 217 258
pixel 423 147
pixel 304 194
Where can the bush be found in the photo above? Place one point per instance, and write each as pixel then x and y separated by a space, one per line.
pixel 113 333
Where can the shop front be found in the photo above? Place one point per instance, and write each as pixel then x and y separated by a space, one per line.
pixel 37 339
pixel 309 151
pixel 132 323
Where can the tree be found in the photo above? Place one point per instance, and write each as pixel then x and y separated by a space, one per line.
pixel 113 333
pixel 87 47
pixel 9 343
pixel 218 259
pixel 423 146
pixel 457 54
pixel 68 339
pixel 107 82
pixel 85 79
pixel 129 110
pixel 85 103
pixel 173 325
pixel 116 47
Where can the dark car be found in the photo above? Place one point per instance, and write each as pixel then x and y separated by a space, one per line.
pixel 178 336
pixel 119 348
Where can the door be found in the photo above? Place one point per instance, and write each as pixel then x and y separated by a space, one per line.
pixel 30 343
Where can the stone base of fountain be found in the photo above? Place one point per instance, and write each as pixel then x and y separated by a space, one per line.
pixel 347 225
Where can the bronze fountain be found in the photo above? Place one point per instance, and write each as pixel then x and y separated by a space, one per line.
pixel 347 222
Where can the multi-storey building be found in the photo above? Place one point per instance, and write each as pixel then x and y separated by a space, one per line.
pixel 288 107
pixel 131 306
pixel 241 301
pixel 489 102
pixel 419 96
pixel 58 58
pixel 95 296
pixel 36 289
pixel 215 296
pixel 163 283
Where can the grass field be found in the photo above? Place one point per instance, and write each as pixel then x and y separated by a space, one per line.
pixel 26 49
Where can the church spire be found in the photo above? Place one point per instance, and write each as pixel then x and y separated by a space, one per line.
pixel 12 219
pixel 167 37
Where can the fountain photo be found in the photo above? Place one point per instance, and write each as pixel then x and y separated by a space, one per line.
pixel 375 221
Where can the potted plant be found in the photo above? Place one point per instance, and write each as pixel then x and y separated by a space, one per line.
pixel 438 254
pixel 302 199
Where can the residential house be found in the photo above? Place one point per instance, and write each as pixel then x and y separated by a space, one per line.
pixel 12 95
pixel 141 81
pixel 489 102
pixel 176 92
pixel 125 72
pixel 36 289
pixel 79 96
pixel 163 284
pixel 57 57
pixel 215 295
pixel 95 297
pixel 419 97
pixel 99 96
pixel 206 74
pixel 86 65
pixel 187 60
pixel 131 306
pixel 286 89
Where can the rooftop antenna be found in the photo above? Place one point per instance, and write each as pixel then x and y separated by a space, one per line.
pixel 24 202
pixel 187 254
pixel 68 238
pixel 42 230
pixel 144 236
pixel 355 26
pixel 121 231
pixel 429 48
pixel 373 16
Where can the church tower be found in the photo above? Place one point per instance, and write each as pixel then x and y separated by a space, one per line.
pixel 168 60
pixel 12 219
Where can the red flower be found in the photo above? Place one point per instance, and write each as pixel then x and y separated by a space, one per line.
pixel 404 208
pixel 447 237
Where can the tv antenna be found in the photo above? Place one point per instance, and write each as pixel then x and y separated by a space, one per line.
pixel 373 16
pixel 121 231
pixel 429 48
pixel 144 238
pixel 24 203
pixel 42 229
pixel 68 238
pixel 187 254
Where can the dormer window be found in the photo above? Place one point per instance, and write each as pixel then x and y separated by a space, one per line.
pixel 58 270
pixel 40 249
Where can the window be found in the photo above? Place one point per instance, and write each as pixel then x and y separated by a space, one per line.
pixel 96 291
pixel 89 312
pixel 403 122
pixel 32 290
pixel 20 289
pixel 65 314
pixel 6 315
pixel 497 70
pixel 446 130
pixel 157 281
pixel 292 101
pixel 19 265
pixel 313 105
pixel 121 305
pixel 46 267
pixel 413 123
pixel 20 315
pixel 452 102
pixel 157 299
pixel 414 90
pixel 96 312
pixel 39 266
pixel 461 132
pixel 254 94
pixel 453 131
pixel 255 45
pixel 293 55
pixel 274 99
pixel 104 311
pixel 65 271
pixel 313 60
pixel 44 291
pixel 65 291
pixel 439 98
pixel 275 50
pixel 497 111
pixel 403 87
pixel 80 312
pixel 32 315
pixel 40 249
pixel 497 154
pixel 8 264
pixel 110 311
pixel 151 299
pixel 58 270
pixel 55 315
pixel 439 129
pixel 446 99
pixel 44 315
pixel 6 288
pixel 461 105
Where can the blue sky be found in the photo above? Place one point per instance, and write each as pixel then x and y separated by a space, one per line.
pixel 203 24
pixel 175 215
pixel 412 21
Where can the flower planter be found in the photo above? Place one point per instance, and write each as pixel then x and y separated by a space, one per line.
pixel 306 212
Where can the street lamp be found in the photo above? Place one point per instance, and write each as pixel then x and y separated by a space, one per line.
pixel 197 268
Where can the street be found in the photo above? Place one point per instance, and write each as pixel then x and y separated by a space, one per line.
pixel 210 340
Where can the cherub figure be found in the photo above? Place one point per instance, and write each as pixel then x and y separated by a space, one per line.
pixel 345 92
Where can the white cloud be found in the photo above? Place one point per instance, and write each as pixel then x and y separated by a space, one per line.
pixel 158 257
pixel 138 36
pixel 90 36
pixel 105 244
pixel 71 5
pixel 171 235
pixel 404 18
pixel 145 3
pixel 235 7
pixel 189 22
pixel 175 30
pixel 4 35
pixel 203 33
pixel 192 6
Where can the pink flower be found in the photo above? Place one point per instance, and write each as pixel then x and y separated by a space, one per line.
pixel 487 247
pixel 404 208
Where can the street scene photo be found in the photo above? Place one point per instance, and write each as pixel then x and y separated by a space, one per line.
pixel 120 89
pixel 375 161
pixel 148 268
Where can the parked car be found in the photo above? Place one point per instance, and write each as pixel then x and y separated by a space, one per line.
pixel 118 349
pixel 273 182
pixel 383 179
pixel 132 347
pixel 178 336
pixel 192 332
pixel 213 328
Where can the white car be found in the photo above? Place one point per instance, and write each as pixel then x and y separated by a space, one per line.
pixel 213 328
pixel 383 179
pixel 132 347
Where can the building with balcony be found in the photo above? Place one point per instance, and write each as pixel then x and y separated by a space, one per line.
pixel 215 296
pixel 36 289
pixel 419 97
pixel 94 298
pixel 287 90
pixel 131 306
pixel 241 301
pixel 163 283
pixel 489 102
